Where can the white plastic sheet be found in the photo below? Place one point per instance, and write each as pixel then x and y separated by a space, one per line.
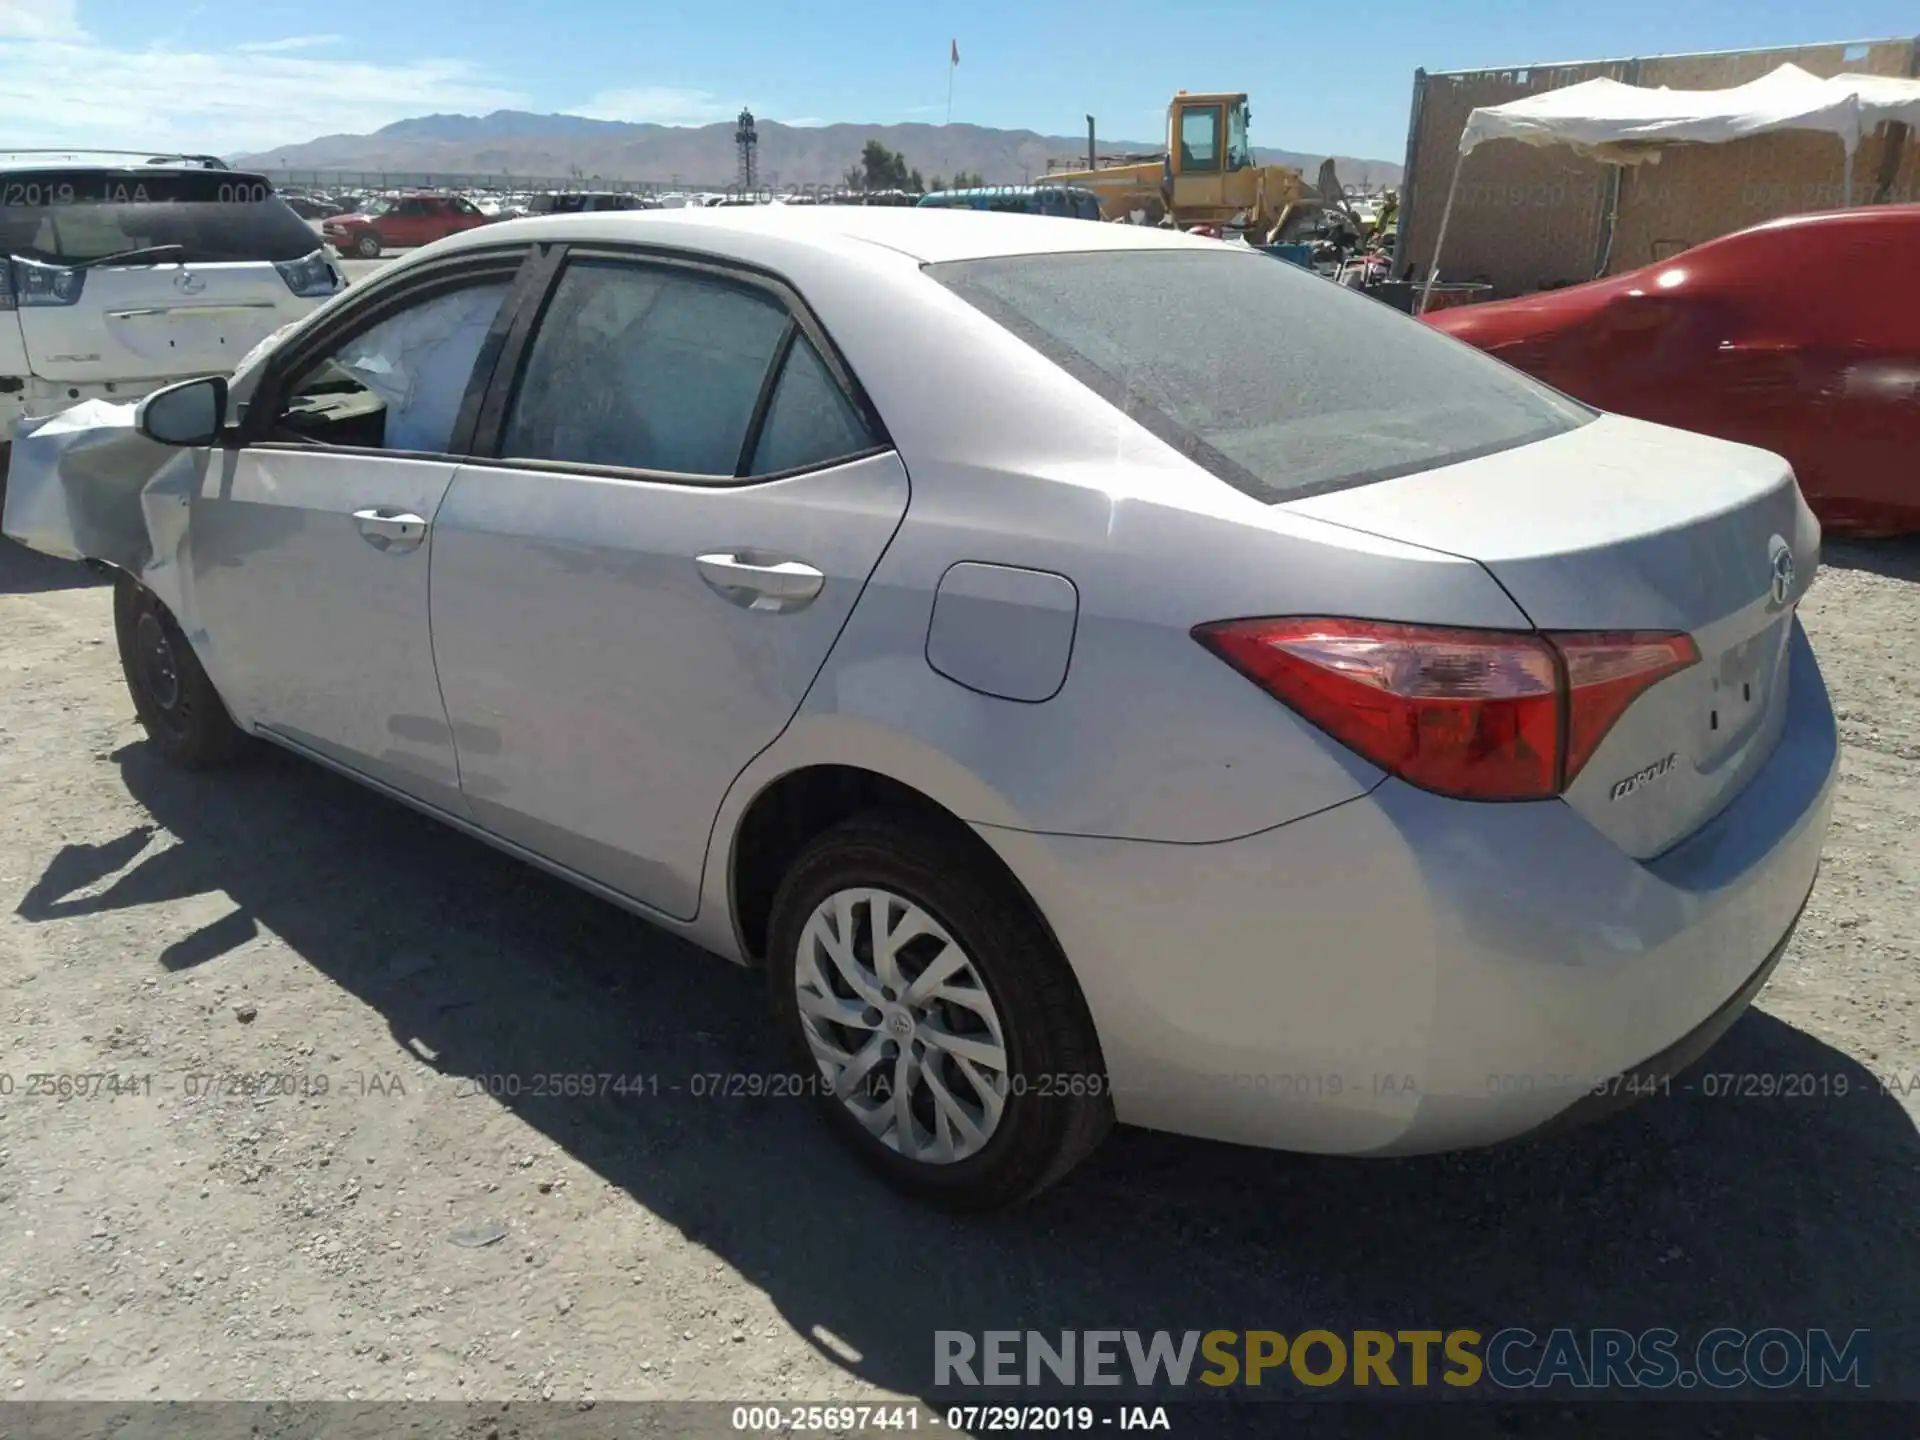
pixel 1626 124
pixel 419 362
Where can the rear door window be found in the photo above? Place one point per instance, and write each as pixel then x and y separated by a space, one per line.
pixel 1279 382
pixel 645 368
pixel 69 216
pixel 811 421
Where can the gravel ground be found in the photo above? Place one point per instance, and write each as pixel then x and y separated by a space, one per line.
pixel 406 1234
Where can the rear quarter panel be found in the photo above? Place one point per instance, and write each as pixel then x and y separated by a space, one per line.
pixel 1012 462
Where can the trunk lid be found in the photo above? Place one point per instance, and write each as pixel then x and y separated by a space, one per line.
pixel 153 322
pixel 1622 525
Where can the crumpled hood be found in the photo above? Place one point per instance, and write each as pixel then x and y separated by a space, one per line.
pixel 85 485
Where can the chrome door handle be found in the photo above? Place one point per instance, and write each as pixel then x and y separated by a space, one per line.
pixel 395 531
pixel 759 581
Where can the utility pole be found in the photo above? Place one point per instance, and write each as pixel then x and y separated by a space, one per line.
pixel 1093 162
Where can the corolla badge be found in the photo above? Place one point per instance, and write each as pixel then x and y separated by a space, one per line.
pixel 1780 563
pixel 188 283
pixel 1640 779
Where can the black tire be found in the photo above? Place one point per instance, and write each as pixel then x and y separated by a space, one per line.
pixel 367 245
pixel 1058 1109
pixel 182 713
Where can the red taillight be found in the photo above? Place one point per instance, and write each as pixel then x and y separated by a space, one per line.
pixel 1606 672
pixel 1477 714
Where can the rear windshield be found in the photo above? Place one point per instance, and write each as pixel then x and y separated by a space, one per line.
pixel 1281 383
pixel 66 216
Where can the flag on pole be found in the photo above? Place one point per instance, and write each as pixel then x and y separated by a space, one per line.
pixel 953 63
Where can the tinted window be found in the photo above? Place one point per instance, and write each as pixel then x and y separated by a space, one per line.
pixel 65 216
pixel 810 421
pixel 397 386
pixel 1199 149
pixel 650 369
pixel 1277 381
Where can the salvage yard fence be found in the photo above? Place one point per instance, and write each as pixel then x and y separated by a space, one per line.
pixel 1526 218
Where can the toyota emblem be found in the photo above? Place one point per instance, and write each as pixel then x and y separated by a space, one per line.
pixel 1780 561
pixel 188 283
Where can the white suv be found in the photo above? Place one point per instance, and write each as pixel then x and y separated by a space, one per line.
pixel 119 274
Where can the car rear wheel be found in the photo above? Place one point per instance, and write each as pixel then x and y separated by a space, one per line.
pixel 367 245
pixel 180 710
pixel 932 1014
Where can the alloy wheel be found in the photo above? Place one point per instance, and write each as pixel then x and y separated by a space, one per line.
pixel 901 1025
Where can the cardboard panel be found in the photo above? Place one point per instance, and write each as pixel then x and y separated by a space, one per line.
pixel 1523 217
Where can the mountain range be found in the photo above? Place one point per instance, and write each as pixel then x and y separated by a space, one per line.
pixel 518 143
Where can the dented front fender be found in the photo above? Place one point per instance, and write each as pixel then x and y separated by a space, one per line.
pixel 86 485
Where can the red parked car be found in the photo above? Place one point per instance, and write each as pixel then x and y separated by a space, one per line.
pixel 400 224
pixel 1801 336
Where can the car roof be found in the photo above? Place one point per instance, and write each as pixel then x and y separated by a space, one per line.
pixel 1859 215
pixel 926 235
pixel 142 161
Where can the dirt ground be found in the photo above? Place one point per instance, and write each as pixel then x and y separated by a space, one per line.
pixel 408 1233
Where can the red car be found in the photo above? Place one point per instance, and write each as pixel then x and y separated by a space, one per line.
pixel 1800 336
pixel 401 224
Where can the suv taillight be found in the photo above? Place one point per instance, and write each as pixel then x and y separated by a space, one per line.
pixel 30 283
pixel 1475 714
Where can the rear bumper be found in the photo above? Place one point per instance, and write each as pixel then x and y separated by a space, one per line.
pixel 1654 1074
pixel 1404 973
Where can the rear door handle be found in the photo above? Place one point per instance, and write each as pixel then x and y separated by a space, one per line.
pixel 395 531
pixel 760 582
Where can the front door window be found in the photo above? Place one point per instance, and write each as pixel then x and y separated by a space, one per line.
pixel 398 385
pixel 1200 140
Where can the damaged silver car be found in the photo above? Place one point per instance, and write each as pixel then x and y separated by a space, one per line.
pixel 1078 723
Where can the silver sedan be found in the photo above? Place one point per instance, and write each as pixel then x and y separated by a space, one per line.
pixel 1098 673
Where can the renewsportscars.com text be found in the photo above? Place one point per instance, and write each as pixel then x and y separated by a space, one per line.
pixel 1510 1359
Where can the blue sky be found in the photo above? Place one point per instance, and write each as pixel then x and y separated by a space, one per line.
pixel 1322 78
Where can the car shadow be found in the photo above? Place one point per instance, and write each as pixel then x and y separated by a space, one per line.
pixel 1898 558
pixel 28 572
pixel 1687 1212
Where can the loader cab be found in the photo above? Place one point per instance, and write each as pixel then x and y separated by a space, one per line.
pixel 1209 134
pixel 1207 142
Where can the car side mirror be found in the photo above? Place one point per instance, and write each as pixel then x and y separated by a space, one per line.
pixel 194 412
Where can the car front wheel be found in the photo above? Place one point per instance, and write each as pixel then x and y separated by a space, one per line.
pixel 180 710
pixel 367 245
pixel 933 1015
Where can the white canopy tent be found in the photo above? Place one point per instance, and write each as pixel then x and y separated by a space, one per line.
pixel 1630 124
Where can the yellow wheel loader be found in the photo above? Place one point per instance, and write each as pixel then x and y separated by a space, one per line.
pixel 1205 177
